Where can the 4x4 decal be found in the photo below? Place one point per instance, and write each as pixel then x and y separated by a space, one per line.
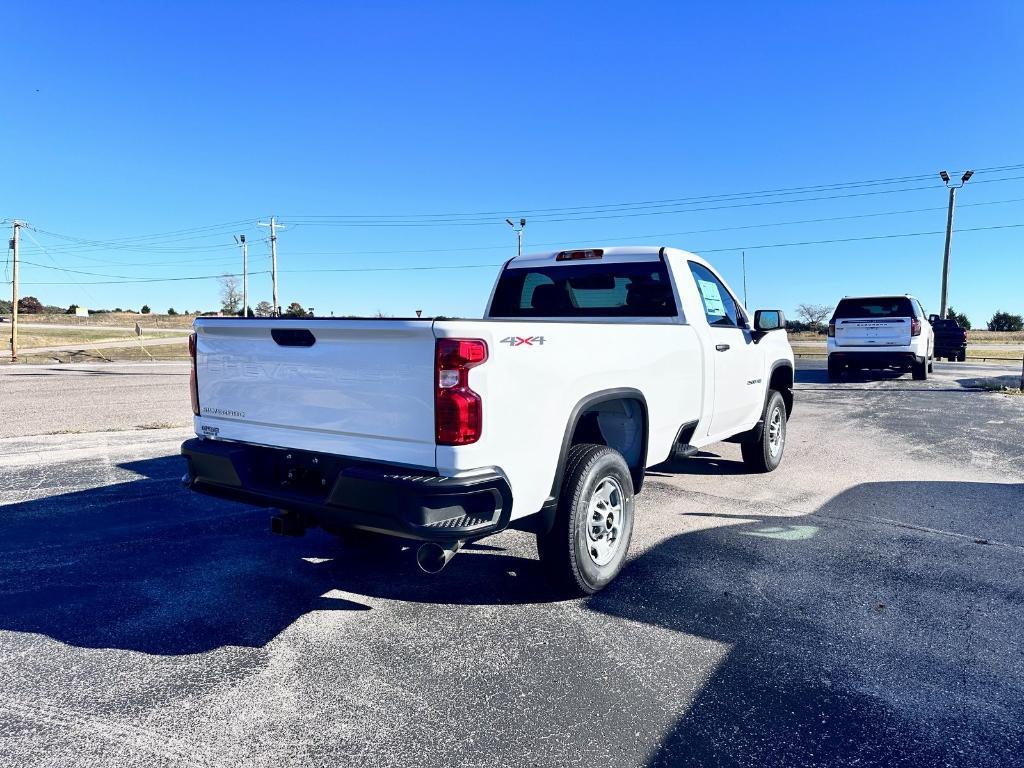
pixel 519 341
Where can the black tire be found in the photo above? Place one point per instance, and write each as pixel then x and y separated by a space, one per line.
pixel 920 371
pixel 764 453
pixel 835 370
pixel 931 365
pixel 962 357
pixel 567 551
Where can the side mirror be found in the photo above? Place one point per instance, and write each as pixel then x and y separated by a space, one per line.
pixel 769 320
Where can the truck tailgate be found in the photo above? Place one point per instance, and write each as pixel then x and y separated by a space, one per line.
pixel 873 331
pixel 359 388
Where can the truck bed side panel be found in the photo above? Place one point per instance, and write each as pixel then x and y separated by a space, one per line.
pixel 529 390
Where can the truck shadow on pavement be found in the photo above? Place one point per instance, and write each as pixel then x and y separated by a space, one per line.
pixel 854 635
pixel 147 566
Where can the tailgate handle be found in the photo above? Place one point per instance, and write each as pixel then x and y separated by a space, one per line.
pixel 722 347
pixel 293 337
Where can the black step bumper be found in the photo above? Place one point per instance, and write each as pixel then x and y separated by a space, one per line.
pixel 337 492
pixel 876 359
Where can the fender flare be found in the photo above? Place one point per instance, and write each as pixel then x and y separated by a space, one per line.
pixel 771 372
pixel 596 398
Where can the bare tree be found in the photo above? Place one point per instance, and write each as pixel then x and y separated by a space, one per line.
pixel 814 314
pixel 230 295
pixel 264 309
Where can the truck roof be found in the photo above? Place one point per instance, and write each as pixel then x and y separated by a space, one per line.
pixel 609 254
pixel 881 296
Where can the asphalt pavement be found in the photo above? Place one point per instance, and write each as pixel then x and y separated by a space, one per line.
pixel 860 606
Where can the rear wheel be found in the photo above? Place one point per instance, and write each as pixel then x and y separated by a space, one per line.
pixel 920 371
pixel 587 544
pixel 764 454
pixel 931 365
pixel 835 370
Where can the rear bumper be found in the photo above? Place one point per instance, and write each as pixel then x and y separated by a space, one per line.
pixel 876 359
pixel 944 347
pixel 338 492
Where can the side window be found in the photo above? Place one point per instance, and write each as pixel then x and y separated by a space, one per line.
pixel 719 306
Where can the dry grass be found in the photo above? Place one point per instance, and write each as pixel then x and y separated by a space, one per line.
pixel 113 355
pixel 996 337
pixel 36 336
pixel 123 319
pixel 994 354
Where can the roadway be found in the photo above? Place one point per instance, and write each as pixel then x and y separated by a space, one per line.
pixel 860 606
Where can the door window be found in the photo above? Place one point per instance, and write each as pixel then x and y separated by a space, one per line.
pixel 719 306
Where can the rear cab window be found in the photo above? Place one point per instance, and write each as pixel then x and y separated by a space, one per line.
pixel 625 289
pixel 874 307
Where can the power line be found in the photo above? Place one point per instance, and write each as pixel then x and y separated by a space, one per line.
pixel 152 242
pixel 668 201
pixel 127 279
pixel 631 214
pixel 855 239
pixel 826 219
pixel 504 247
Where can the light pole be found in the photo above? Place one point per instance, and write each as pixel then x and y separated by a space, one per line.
pixel 519 232
pixel 949 234
pixel 240 239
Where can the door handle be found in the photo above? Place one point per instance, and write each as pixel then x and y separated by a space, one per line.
pixel 722 347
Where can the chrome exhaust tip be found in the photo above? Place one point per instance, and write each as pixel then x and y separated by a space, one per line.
pixel 432 557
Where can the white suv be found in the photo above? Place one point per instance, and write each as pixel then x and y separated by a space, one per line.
pixel 880 332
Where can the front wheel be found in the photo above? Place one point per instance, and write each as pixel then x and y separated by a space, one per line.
pixel 764 453
pixel 587 543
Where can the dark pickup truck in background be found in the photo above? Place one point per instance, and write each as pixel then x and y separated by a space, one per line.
pixel 950 339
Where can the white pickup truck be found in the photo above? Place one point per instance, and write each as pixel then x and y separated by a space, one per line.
pixel 589 366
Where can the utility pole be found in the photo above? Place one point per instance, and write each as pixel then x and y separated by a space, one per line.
pixel 949 236
pixel 519 233
pixel 14 290
pixel 245 274
pixel 273 258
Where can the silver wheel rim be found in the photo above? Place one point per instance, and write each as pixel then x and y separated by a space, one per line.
pixel 775 432
pixel 605 521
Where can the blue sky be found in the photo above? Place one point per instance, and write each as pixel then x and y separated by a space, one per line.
pixel 130 120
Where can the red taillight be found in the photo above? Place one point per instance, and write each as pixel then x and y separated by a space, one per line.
pixel 458 410
pixel 915 327
pixel 831 330
pixel 193 382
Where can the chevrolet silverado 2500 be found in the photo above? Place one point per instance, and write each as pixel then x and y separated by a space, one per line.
pixel 589 366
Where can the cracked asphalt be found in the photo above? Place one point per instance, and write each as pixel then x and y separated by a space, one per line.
pixel 863 605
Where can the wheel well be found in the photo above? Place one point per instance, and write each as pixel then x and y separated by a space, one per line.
pixel 619 423
pixel 782 382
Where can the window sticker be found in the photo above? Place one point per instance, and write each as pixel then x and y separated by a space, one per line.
pixel 713 303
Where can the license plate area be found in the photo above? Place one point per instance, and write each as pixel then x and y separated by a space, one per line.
pixel 306 475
